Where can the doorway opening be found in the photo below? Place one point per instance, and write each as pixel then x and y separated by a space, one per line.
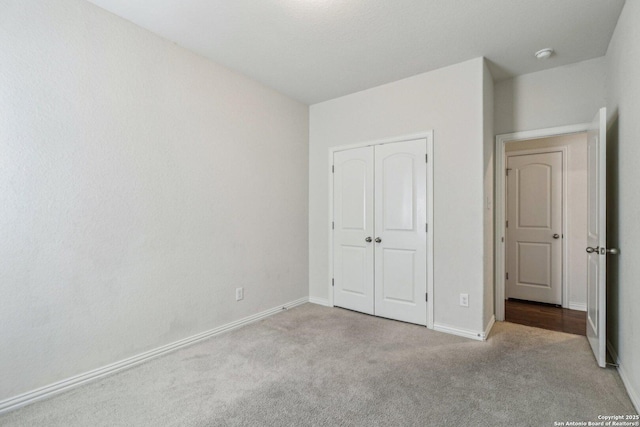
pixel 544 204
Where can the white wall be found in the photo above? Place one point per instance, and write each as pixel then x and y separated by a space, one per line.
pixel 623 106
pixel 488 223
pixel 139 185
pixel 556 97
pixel 576 210
pixel 449 101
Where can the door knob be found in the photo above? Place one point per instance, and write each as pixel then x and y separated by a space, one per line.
pixel 603 251
pixel 368 239
pixel 556 236
pixel 378 240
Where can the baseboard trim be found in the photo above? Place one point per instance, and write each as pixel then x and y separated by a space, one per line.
pixel 577 306
pixel 634 396
pixel 60 386
pixel 319 301
pixel 474 335
pixel 487 330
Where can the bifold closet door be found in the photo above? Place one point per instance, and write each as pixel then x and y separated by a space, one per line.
pixel 400 254
pixel 353 229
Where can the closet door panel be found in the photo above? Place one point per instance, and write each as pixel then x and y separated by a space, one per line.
pixel 353 194
pixel 400 233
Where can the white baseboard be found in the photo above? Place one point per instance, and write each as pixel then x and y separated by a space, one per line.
pixel 634 396
pixel 577 306
pixel 60 386
pixel 319 301
pixel 487 330
pixel 474 335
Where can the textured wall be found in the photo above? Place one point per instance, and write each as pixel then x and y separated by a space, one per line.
pixel 140 184
pixel 450 102
pixel 557 97
pixel 623 108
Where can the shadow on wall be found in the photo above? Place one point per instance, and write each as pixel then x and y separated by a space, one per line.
pixel 613 232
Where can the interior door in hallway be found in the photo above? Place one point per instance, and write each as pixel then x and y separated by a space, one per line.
pixel 400 230
pixel 353 229
pixel 534 227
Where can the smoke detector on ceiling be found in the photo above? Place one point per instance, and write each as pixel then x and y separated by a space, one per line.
pixel 544 53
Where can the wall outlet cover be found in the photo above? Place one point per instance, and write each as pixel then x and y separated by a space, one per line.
pixel 464 300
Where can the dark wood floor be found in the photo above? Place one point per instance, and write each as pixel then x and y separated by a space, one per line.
pixel 546 316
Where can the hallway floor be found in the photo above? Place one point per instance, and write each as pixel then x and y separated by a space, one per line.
pixel 546 316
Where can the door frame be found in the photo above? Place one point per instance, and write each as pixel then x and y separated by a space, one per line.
pixel 428 135
pixel 501 208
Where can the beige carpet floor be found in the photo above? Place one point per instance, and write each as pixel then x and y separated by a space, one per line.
pixel 318 366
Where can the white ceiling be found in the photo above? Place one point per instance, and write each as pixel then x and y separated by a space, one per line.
pixel 314 50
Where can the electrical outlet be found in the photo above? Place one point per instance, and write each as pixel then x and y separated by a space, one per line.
pixel 239 294
pixel 464 300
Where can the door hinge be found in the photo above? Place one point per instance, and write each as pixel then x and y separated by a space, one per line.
pixel 426 158
pixel 333 225
pixel 333 282
pixel 507 276
pixel 507 224
pixel 502 240
pixel 426 227
pixel 333 168
pixel 426 297
pixel 507 171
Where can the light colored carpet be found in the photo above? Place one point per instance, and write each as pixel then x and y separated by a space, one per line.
pixel 323 366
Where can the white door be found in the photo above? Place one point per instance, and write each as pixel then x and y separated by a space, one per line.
pixel 596 236
pixel 385 257
pixel 353 229
pixel 400 231
pixel 534 227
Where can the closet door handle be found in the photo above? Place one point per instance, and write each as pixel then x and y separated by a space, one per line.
pixel 556 236
pixel 368 240
pixel 378 240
